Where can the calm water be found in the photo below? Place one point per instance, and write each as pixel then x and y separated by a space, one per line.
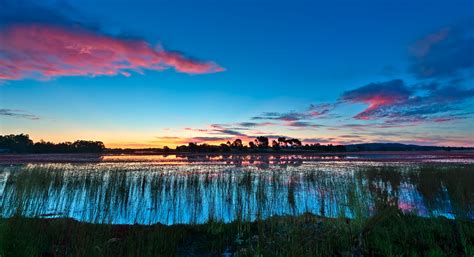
pixel 128 189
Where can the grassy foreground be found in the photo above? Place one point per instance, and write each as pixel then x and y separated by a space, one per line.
pixel 389 233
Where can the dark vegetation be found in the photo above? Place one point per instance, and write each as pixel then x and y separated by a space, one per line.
pixel 381 230
pixel 390 233
pixel 386 231
pixel 282 144
pixel 23 144
pixel 400 147
pixel 260 144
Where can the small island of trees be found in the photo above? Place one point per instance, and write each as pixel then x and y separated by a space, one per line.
pixel 261 144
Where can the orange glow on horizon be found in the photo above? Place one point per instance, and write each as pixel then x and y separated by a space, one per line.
pixel 136 140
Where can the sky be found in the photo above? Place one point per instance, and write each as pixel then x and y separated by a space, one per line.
pixel 154 73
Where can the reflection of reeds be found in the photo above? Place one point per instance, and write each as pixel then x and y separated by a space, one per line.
pixel 137 193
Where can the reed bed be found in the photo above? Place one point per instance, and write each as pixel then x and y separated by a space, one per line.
pixel 316 209
pixel 196 194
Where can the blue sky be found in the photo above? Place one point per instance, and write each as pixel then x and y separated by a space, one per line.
pixel 247 59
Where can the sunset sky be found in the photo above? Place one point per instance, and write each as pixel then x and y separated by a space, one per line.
pixel 157 73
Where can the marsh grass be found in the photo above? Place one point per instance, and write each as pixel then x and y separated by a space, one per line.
pixel 308 210
pixel 196 194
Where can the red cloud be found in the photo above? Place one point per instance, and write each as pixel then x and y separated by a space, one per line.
pixel 374 103
pixel 43 51
pixel 377 95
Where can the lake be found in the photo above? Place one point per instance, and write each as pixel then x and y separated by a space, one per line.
pixel 197 188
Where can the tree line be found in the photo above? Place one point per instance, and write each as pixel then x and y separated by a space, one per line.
pixel 260 144
pixel 23 144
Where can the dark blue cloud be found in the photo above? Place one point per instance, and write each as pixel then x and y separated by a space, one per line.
pixel 445 53
pixel 289 116
pixel 398 104
pixel 314 111
pixel 18 114
pixel 58 13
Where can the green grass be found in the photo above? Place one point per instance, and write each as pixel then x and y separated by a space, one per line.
pixel 395 234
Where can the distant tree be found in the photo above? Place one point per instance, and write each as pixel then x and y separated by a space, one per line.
pixel 23 144
pixel 64 147
pixel 192 147
pixel 295 142
pixel 261 142
pixel 282 141
pixel 83 146
pixel 252 145
pixel 225 147
pixel 275 145
pixel 237 143
pixel 16 143
pixel 181 148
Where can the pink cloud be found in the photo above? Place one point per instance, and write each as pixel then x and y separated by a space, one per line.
pixel 374 103
pixel 44 51
pixel 377 95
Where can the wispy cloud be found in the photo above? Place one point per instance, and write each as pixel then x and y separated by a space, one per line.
pixel 314 111
pixel 327 140
pixel 396 103
pixel 254 124
pixel 301 124
pixel 290 116
pixel 322 110
pixel 209 140
pixel 444 53
pixel 217 129
pixel 18 114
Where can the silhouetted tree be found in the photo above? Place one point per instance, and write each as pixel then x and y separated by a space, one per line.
pixel 275 145
pixel 23 144
pixel 225 147
pixel 282 141
pixel 237 143
pixel 16 143
pixel 252 145
pixel 261 142
pixel 294 142
pixel 83 146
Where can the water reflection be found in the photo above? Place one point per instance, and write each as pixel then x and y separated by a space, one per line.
pixel 144 193
pixel 241 159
